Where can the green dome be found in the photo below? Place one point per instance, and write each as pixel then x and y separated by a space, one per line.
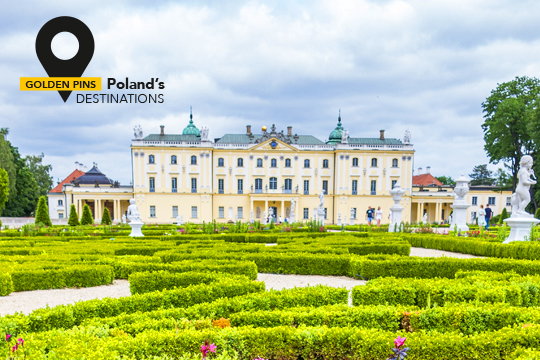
pixel 335 135
pixel 191 129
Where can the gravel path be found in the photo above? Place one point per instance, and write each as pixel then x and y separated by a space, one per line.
pixel 27 301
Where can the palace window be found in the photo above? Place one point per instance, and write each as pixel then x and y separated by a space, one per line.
pixel 174 184
pixel 194 185
pixel 258 186
pixel 355 187
pixel 193 160
pixel 288 186
pixel 152 211
pixel 220 186
pixel 475 200
pixel 355 162
pixel 325 164
pixel 174 160
pixel 325 187
pixel 306 213
pixel 175 211
pixel 306 163
pixel 508 201
pixel 60 215
pixel 273 183
pixel 193 212
pixel 491 200
pixel 151 159
pixel 325 213
pixel 220 162
pixel 373 187
pixel 221 212
pixel 306 187
pixel 394 182
pixel 273 163
pixel 287 162
pixel 152 184
pixel 240 162
pixel 374 162
pixel 240 186
pixel 394 163
pixel 259 163
pixel 354 213
pixel 240 212
pixel 60 203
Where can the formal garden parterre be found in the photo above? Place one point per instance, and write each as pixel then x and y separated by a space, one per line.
pixel 189 286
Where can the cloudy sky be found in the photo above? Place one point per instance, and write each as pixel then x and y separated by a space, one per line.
pixel 393 65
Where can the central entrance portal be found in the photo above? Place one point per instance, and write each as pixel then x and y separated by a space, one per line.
pixel 274 212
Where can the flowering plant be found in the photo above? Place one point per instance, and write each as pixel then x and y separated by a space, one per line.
pixel 14 351
pixel 400 352
pixel 206 346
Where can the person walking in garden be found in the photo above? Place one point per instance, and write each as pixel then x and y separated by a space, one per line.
pixel 482 216
pixel 489 213
pixel 369 215
pixel 379 215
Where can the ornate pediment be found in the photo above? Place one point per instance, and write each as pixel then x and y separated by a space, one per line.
pixel 273 134
pixel 274 144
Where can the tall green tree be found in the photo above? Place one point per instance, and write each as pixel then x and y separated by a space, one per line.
pixel 73 216
pixel 4 189
pixel 481 175
pixel 6 159
pixel 509 114
pixel 86 217
pixel 446 180
pixel 34 163
pixel 503 180
pixel 23 201
pixel 42 212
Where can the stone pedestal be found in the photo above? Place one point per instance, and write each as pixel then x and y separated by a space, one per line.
pixel 291 219
pixel 459 217
pixel 136 227
pixel 339 219
pixel 520 227
pixel 351 221
pixel 320 216
pixel 264 218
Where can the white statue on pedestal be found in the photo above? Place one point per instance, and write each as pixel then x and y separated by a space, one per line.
pixel 320 209
pixel 395 211
pixel 353 213
pixel 424 218
pixel 124 219
pixel 293 207
pixel 251 216
pixel 460 205
pixel 520 221
pixel 339 219
pixel 134 219
pixel 264 218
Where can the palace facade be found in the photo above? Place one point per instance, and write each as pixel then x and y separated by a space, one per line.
pixel 245 176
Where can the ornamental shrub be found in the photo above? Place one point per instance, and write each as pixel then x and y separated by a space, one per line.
pixel 106 218
pixel 73 216
pixel 42 212
pixel 537 213
pixel 504 214
pixel 86 218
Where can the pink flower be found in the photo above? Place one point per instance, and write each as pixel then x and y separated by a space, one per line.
pixel 207 347
pixel 20 341
pixel 13 349
pixel 399 341
pixel 8 337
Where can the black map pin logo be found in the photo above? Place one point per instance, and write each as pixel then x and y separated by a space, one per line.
pixel 56 67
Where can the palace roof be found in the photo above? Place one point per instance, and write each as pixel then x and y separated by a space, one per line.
pixel 244 139
pixel 425 180
pixel 74 175
pixel 94 175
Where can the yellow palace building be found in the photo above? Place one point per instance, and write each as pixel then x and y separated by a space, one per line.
pixel 249 175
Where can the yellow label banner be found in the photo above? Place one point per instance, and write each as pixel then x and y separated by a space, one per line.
pixel 60 84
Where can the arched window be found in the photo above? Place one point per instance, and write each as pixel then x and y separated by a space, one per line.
pixel 259 163
pixel 273 183
pixel 151 159
pixel 374 162
pixel 174 160
pixel 325 164
pixel 287 162
pixel 355 162
pixel 193 160
pixel 394 163
pixel 60 203
pixel 220 162
pixel 273 163
pixel 240 162
pixel 306 163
